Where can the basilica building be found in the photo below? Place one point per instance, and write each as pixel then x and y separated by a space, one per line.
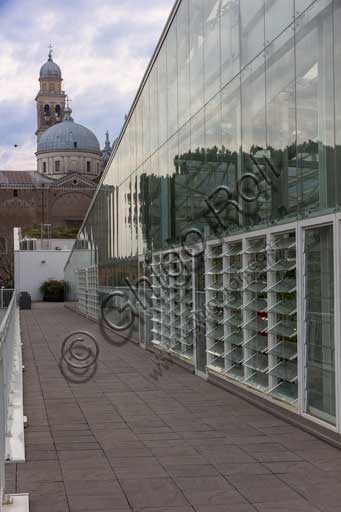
pixel 64 146
pixel 69 165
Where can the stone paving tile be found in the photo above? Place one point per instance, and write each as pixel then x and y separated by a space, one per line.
pixel 123 441
pixel 91 494
pixel 153 492
pixel 209 490
pixel 137 467
pixel 263 488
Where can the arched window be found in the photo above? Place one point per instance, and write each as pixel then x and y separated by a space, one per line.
pixel 47 110
pixel 57 166
pixel 88 166
pixel 58 110
pixel 44 166
pixel 97 167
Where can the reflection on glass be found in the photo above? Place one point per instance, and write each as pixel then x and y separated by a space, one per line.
pixel 254 143
pixel 315 112
pixel 162 95
pixel 229 37
pixel 212 11
pixel 172 81
pixel 196 33
pixel 281 124
pixel 337 75
pixel 278 15
pixel 252 29
pixel 319 307
pixel 183 62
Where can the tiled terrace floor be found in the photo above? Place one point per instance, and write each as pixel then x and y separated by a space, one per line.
pixel 124 441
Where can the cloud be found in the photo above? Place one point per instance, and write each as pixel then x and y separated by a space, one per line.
pixel 103 48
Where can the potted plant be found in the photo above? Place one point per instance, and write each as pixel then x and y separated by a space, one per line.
pixel 53 290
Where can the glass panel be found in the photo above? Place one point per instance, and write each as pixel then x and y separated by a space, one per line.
pixel 301 5
pixel 337 72
pixel 172 79
pixel 154 117
pixel 252 29
pixel 319 322
pixel 196 31
pixel 229 36
pixel 278 15
pixel 281 125
pixel 146 122
pixel 211 48
pixel 255 191
pixel 183 62
pixel 315 108
pixel 162 94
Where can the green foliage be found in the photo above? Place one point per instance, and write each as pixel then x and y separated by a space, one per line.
pixel 52 289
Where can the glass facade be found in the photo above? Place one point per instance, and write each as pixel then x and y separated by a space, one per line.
pixel 232 143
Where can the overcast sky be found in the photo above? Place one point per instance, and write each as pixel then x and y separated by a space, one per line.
pixel 103 48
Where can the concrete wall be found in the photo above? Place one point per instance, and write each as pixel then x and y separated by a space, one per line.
pixel 32 268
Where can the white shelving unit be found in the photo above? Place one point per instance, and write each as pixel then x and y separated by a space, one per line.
pixel 251 311
pixel 172 302
pixel 87 291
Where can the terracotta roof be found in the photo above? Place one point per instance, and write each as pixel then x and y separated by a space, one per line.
pixel 28 178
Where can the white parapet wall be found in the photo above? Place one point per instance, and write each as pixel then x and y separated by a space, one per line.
pixel 32 268
pixel 12 444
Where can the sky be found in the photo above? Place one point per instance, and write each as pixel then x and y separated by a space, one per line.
pixel 102 47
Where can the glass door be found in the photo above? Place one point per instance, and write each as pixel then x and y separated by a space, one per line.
pixel 319 316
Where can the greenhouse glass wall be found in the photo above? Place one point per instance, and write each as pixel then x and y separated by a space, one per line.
pixel 217 219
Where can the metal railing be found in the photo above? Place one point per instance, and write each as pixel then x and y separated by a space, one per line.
pixel 5 297
pixel 11 406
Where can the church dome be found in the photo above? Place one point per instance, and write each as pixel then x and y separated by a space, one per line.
pixel 50 69
pixel 68 135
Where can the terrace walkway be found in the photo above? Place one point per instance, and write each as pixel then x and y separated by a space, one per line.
pixel 124 441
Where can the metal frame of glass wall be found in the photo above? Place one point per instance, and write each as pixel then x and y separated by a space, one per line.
pixel 235 132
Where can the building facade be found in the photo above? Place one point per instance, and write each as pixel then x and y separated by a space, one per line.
pixel 220 206
pixel 63 146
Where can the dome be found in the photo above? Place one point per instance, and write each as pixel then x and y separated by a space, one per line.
pixel 50 69
pixel 68 135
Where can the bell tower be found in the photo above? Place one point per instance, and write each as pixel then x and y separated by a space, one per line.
pixel 50 98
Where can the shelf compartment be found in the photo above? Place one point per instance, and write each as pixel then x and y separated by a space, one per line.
pixel 214 271
pixel 256 287
pixel 285 370
pixel 284 328
pixel 256 245
pixel 236 372
pixel 232 270
pixel 283 286
pixel 284 350
pixel 284 242
pixel 235 338
pixel 215 252
pixel 283 307
pixel 235 305
pixel 234 321
pixel 258 381
pixel 217 349
pixel 233 249
pixel 285 391
pixel 236 355
pixel 257 343
pixel 257 362
pixel 283 265
pixel 217 365
pixel 256 324
pixel 256 305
